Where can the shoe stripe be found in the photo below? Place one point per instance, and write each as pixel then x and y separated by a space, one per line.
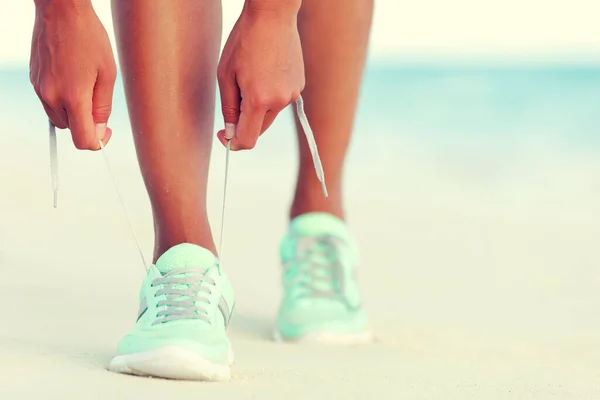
pixel 225 311
pixel 143 308
pixel 223 308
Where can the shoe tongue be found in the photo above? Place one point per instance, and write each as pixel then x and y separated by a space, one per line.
pixel 185 255
pixel 316 224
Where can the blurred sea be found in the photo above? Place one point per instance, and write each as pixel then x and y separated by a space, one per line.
pixel 467 106
pixel 525 135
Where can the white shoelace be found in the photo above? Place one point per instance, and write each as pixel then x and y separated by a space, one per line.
pixel 312 145
pixel 53 163
pixel 187 295
pixel 316 266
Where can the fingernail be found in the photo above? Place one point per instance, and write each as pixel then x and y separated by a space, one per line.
pixel 100 130
pixel 229 130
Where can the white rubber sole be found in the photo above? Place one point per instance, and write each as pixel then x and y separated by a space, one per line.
pixel 172 362
pixel 328 338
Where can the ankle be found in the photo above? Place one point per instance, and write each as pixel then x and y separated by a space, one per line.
pixel 161 248
pixel 199 235
pixel 312 200
pixel 297 211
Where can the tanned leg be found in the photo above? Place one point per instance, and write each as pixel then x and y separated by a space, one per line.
pixel 168 53
pixel 334 38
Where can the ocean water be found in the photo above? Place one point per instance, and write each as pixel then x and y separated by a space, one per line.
pixel 441 104
pixel 512 138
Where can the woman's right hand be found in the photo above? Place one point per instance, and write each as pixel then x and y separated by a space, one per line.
pixel 73 70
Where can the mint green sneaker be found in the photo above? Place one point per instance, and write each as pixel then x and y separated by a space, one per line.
pixel 321 301
pixel 186 304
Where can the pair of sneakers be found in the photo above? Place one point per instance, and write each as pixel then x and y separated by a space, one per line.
pixel 187 301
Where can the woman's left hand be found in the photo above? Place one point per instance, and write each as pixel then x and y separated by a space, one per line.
pixel 261 71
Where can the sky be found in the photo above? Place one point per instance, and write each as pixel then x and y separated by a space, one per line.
pixel 403 27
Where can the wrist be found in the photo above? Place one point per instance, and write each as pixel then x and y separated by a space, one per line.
pixel 274 7
pixel 61 4
pixel 53 10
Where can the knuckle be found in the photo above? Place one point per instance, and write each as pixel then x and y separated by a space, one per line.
pixel 112 70
pixel 111 76
pixel 102 111
pixel 295 95
pixel 81 143
pixel 245 144
pixel 280 101
pixel 72 99
pixel 221 74
pixel 302 85
pixel 259 103
pixel 47 93
pixel 36 89
pixel 229 111
pixel 59 123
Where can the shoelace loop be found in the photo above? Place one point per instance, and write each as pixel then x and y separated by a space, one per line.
pixel 316 267
pixel 182 289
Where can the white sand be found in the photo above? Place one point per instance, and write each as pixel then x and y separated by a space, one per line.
pixel 486 290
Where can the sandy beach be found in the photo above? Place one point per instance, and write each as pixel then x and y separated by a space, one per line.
pixel 475 291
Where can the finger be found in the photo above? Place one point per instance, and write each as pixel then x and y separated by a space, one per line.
pixel 249 127
pixel 59 119
pixel 222 138
pixel 268 121
pixel 107 136
pixel 102 101
pixel 81 124
pixel 53 110
pixel 230 102
pixel 34 65
pixel 275 107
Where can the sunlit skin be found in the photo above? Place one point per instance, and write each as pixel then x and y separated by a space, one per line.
pixel 169 58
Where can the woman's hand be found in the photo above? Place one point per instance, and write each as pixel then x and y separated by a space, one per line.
pixel 261 70
pixel 72 69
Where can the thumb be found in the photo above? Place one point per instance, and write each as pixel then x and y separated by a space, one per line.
pixel 81 124
pixel 102 104
pixel 230 103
